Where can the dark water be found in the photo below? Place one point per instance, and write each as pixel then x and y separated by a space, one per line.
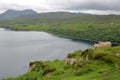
pixel 18 48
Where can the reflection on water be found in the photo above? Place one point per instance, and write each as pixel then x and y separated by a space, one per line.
pixel 18 48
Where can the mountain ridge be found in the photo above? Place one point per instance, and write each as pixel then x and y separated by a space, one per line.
pixel 10 14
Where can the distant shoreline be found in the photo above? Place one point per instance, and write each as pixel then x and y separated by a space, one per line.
pixel 83 39
pixel 59 35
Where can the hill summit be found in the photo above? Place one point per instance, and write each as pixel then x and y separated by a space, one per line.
pixel 10 14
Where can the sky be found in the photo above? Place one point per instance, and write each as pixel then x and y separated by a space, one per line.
pixel 102 7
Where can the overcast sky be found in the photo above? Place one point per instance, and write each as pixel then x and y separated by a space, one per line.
pixel 87 6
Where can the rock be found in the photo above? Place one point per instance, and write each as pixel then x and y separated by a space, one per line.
pixel 117 54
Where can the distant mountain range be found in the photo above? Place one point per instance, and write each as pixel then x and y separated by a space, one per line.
pixel 10 14
pixel 31 17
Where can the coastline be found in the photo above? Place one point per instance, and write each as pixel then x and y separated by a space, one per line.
pixel 68 37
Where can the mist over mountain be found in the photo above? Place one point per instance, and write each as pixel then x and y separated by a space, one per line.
pixel 10 14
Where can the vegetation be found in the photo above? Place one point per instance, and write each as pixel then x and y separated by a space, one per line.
pixel 71 25
pixel 103 64
pixel 103 32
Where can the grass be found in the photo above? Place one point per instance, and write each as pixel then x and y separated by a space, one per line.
pixel 101 66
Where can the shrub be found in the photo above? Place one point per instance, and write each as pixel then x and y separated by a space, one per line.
pixel 88 52
pixel 99 54
pixel 35 62
pixel 39 65
pixel 106 55
pixel 49 70
pixel 109 59
pixel 75 54
pixel 67 67
pixel 59 72
pixel 56 60
pixel 77 66
pixel 83 71
pixel 71 55
pixel 102 71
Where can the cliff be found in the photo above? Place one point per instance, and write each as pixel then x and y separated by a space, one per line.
pixel 99 64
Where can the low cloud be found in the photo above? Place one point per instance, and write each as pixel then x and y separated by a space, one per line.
pixel 103 6
pixel 112 5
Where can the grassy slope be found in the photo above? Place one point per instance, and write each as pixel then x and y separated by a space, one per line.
pixel 101 66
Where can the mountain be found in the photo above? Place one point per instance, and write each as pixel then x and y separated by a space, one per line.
pixel 75 25
pixel 59 18
pixel 10 14
pixel 67 17
pixel 50 17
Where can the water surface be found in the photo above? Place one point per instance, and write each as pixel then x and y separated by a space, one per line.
pixel 18 48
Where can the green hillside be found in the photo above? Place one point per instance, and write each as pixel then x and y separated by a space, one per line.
pixel 75 25
pixel 65 17
pixel 102 64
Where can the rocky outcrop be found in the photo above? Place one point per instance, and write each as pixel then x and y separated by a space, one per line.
pixel 71 61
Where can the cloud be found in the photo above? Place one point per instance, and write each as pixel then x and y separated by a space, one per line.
pixel 62 5
pixel 96 5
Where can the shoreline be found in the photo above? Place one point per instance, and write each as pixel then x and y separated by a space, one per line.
pixel 59 35
pixel 83 39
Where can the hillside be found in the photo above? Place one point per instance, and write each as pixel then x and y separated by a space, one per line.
pixel 65 17
pixel 73 25
pixel 11 14
pixel 100 64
